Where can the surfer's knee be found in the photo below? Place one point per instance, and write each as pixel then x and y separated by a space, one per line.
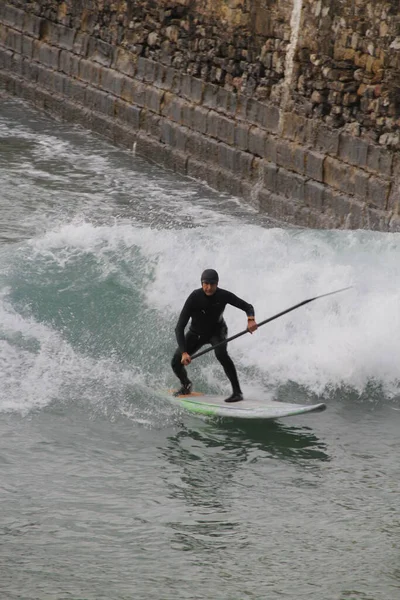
pixel 221 353
pixel 176 360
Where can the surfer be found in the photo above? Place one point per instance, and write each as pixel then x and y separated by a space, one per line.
pixel 205 307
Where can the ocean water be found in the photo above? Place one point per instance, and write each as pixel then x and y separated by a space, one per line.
pixel 109 491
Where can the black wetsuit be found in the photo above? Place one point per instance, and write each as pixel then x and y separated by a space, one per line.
pixel 207 326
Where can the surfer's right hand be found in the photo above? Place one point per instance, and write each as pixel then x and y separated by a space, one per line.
pixel 185 360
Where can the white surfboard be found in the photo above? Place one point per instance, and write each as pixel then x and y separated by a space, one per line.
pixel 249 408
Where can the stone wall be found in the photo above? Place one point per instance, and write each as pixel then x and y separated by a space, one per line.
pixel 293 105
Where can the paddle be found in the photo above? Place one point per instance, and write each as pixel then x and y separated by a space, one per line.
pixel 284 312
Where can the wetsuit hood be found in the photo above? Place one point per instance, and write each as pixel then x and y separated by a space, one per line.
pixel 209 276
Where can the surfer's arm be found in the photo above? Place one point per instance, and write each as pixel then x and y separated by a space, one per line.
pixel 246 307
pixel 181 324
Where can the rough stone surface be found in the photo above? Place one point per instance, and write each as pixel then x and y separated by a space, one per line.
pixel 303 123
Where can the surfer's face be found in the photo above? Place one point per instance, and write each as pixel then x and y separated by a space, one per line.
pixel 209 288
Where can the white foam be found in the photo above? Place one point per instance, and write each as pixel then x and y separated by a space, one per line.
pixel 347 339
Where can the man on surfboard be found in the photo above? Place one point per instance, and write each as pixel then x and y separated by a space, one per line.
pixel 205 307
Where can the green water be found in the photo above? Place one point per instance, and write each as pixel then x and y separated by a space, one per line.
pixel 107 490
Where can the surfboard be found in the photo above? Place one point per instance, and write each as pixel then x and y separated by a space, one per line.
pixel 249 408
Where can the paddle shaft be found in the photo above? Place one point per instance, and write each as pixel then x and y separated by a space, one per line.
pixel 284 312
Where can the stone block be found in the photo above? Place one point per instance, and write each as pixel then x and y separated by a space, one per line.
pixel 180 137
pixel 252 108
pixel 59 80
pixel 99 101
pixel 394 224
pixel 172 107
pixel 270 176
pixel 356 218
pixel 3 34
pixel 196 145
pixel 176 161
pixel 314 195
pixel 226 101
pixel 298 128
pixel 203 172
pixel 5 59
pixel 340 204
pixel 133 91
pixel 361 183
pixel 151 123
pixel 227 157
pixel 204 149
pixel 315 165
pixel 140 68
pixel 46 55
pixel 101 124
pixel 262 114
pixel 66 38
pixel 291 185
pixel 199 119
pixel 241 135
pixel 172 80
pixel 48 101
pixel 270 116
pixel 112 82
pixel 75 90
pixel 187 115
pixel 89 72
pixel 339 175
pixel 290 156
pixel 72 112
pixel 27 46
pixel 32 25
pixel 127 113
pixel 271 149
pixel 244 165
pixel 69 63
pixel 327 140
pixel 192 88
pixel 376 220
pixel 394 197
pixel 13 16
pixel 160 75
pixel 353 150
pixel 17 64
pixel 225 130
pixel 151 149
pixel 123 135
pixel 378 192
pixel 13 41
pixel 81 44
pixel 45 78
pixel 212 123
pixel 153 99
pixel 241 104
pixel 49 32
pixel 270 204
pixel 30 70
pixel 228 183
pixel 125 62
pixel 61 36
pixel 299 159
pixel 257 141
pixel 100 52
pixel 210 96
pixel 146 70
pixel 379 160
